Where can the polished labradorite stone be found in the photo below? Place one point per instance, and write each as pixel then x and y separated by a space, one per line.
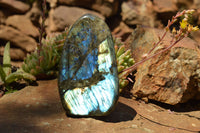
pixel 88 79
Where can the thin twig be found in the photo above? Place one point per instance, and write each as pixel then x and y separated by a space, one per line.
pixel 183 32
pixel 167 28
pixel 42 27
pixel 132 68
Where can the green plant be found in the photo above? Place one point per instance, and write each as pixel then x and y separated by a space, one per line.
pixel 124 60
pixel 7 77
pixel 45 64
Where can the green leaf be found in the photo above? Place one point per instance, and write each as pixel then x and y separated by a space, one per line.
pixel 9 90
pixel 6 59
pixel 19 75
pixel 121 50
pixel 120 68
pixel 2 74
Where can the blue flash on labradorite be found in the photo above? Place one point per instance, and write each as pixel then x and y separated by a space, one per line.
pixel 88 78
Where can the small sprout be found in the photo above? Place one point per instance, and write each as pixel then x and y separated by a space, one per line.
pixel 7 77
pixel 121 50
pixel 144 55
pixel 120 68
pixel 167 29
pixel 45 64
pixel 124 60
pixel 183 24
pixel 120 62
pixel 189 11
pixel 175 20
pixel 174 30
pixel 190 28
pixel 195 28
pixel 186 17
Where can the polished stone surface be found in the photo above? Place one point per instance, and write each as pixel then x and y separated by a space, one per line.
pixel 88 78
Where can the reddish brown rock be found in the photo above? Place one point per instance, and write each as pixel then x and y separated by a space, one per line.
pixel 15 5
pixel 187 4
pixel 163 6
pixel 23 24
pixel 17 38
pixel 53 3
pixel 122 31
pixel 2 16
pixel 37 109
pixel 34 13
pixel 137 12
pixel 15 53
pixel 105 7
pixel 196 36
pixel 198 16
pixel 164 10
pixel 171 77
pixel 64 16
pixel 196 4
pixel 17 63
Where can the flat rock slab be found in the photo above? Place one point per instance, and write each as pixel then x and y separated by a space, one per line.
pixel 64 16
pixel 23 24
pixel 17 38
pixel 15 5
pixel 38 109
pixel 171 77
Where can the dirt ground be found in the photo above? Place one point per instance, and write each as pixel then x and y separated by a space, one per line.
pixel 38 109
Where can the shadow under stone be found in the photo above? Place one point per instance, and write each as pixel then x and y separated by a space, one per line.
pixel 191 105
pixel 122 112
pixel 20 119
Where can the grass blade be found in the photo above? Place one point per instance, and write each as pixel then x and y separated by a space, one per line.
pixel 6 60
pixel 18 75
pixel 2 74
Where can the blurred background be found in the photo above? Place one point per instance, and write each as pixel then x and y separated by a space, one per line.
pixel 20 19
